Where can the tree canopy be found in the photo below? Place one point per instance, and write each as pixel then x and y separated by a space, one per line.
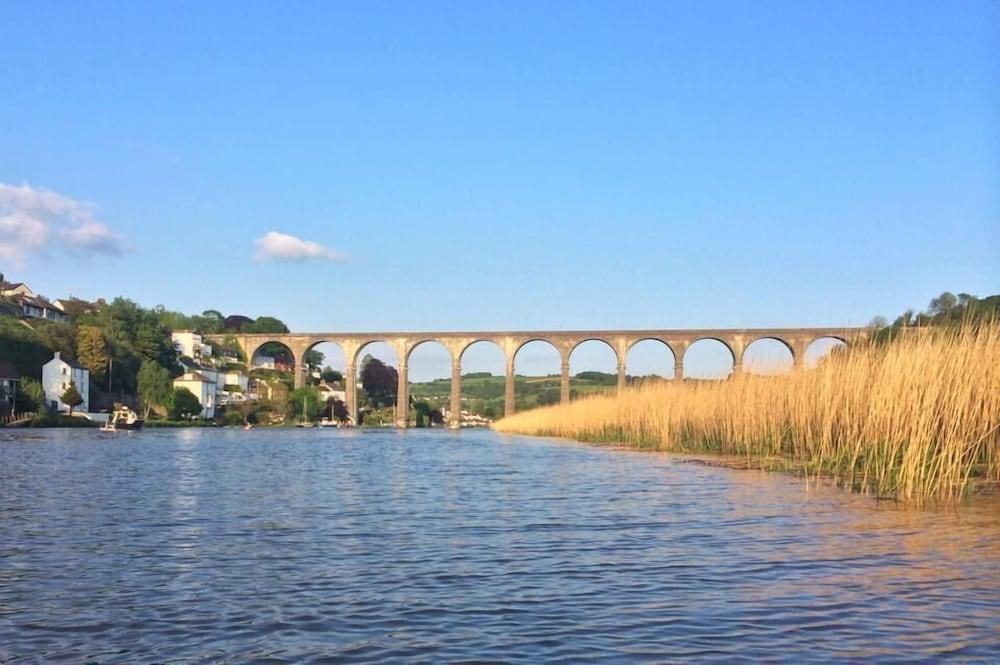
pixel 185 404
pixel 91 351
pixel 379 381
pixel 266 324
pixel 155 388
pixel 71 397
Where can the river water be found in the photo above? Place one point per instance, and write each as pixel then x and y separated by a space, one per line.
pixel 339 546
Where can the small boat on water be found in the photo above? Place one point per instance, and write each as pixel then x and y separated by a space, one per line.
pixel 123 419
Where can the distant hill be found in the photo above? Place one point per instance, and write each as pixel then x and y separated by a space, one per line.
pixel 483 393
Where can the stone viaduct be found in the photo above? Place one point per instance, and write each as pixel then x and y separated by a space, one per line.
pixel 620 341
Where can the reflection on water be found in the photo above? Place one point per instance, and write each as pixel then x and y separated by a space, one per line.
pixel 308 545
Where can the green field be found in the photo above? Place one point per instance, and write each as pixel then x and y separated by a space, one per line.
pixel 482 393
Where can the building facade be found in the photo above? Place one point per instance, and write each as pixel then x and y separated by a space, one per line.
pixel 57 375
pixel 203 387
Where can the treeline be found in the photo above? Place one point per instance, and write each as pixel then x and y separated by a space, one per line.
pixel 948 310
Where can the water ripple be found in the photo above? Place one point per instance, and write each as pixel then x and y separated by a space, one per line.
pixel 211 546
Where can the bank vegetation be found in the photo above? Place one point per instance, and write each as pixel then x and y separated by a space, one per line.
pixel 916 418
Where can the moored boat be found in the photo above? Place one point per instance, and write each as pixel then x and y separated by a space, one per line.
pixel 123 419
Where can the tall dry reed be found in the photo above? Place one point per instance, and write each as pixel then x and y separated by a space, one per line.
pixel 916 419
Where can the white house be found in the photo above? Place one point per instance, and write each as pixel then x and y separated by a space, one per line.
pixel 57 375
pixel 202 387
pixel 188 343
pixel 326 391
pixel 264 362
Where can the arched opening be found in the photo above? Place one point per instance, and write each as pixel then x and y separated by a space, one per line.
pixel 649 361
pixel 768 356
pixel 325 365
pixel 269 385
pixel 273 357
pixel 377 384
pixel 821 348
pixel 709 359
pixel 593 369
pixel 428 370
pixel 537 375
pixel 482 389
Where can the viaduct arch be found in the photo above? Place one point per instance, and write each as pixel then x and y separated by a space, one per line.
pixel 620 341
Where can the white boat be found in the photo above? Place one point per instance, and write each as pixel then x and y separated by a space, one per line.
pixel 124 419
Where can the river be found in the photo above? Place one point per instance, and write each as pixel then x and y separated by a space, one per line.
pixel 346 546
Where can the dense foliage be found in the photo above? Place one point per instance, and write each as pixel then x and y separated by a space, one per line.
pixel 379 382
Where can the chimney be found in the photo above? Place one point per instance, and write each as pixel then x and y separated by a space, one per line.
pixel 56 356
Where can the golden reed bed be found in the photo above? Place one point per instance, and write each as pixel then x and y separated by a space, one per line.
pixel 917 419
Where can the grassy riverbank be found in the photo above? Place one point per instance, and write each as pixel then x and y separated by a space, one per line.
pixel 917 418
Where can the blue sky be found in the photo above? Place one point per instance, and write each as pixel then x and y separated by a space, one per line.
pixel 505 165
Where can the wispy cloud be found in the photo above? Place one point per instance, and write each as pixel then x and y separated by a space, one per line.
pixel 274 246
pixel 34 221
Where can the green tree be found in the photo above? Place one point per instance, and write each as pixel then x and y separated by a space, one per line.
pixel 548 396
pixel 236 323
pixel 308 395
pixel 154 385
pixel 267 324
pixel 210 321
pixel 58 337
pixel 331 375
pixel 247 409
pixel 91 351
pixel 312 358
pixel 71 397
pixel 943 303
pixel 338 410
pixel 379 381
pixel 31 396
pixel 184 404
pixel 278 401
pixel 423 410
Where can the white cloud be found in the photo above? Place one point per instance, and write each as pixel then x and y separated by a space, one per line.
pixel 274 246
pixel 33 221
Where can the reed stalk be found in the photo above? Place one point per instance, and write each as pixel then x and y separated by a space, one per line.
pixel 917 419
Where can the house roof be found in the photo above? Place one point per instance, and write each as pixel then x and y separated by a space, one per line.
pixel 69 361
pixel 36 301
pixel 7 371
pixel 193 376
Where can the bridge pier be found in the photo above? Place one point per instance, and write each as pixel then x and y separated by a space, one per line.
pixel 402 398
pixel 621 376
pixel 455 407
pixel 564 383
pixel 678 371
pixel 798 347
pixel 351 392
pixel 508 389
